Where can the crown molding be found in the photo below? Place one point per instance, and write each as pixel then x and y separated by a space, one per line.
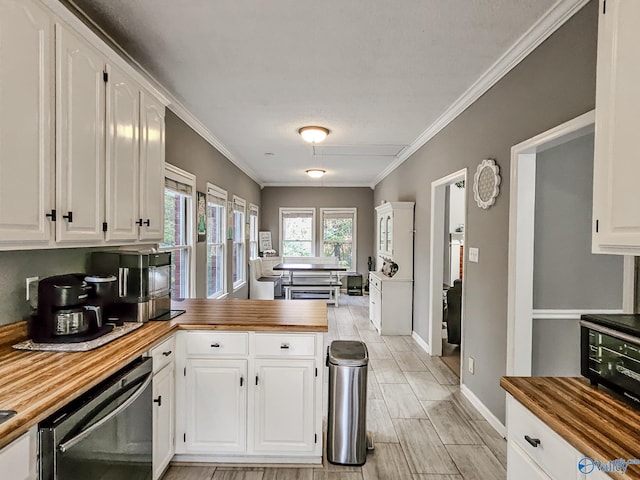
pixel 115 52
pixel 555 17
pixel 317 184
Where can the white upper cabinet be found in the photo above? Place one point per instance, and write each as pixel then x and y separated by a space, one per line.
pixel 80 142
pixel 26 124
pixel 616 196
pixel 152 145
pixel 122 156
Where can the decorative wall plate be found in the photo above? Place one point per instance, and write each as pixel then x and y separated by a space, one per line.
pixel 486 183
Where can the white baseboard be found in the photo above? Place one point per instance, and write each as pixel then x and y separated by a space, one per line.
pixel 418 339
pixel 484 411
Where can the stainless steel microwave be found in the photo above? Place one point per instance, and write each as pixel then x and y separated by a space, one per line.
pixel 610 352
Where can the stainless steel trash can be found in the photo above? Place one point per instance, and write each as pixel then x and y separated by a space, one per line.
pixel 347 421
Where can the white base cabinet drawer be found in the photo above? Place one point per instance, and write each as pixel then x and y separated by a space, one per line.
pixel 521 466
pixel 217 344
pixel 282 345
pixel 163 354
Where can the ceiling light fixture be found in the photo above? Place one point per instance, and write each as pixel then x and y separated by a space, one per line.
pixel 315 172
pixel 313 134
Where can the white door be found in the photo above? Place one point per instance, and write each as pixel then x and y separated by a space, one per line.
pixel 122 157
pixel 80 147
pixel 26 124
pixel 216 406
pixel 163 419
pixel 616 167
pixel 284 406
pixel 152 168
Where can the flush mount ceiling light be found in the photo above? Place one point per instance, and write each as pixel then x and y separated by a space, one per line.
pixel 313 134
pixel 315 172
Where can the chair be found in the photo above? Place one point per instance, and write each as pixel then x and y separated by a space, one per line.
pixel 453 312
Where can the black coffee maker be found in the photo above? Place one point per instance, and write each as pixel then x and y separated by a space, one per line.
pixel 65 312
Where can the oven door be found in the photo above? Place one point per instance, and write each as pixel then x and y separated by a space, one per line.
pixel 105 434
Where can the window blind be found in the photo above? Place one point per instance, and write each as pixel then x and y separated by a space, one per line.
pixel 177 186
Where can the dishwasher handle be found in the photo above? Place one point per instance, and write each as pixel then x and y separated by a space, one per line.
pixel 63 447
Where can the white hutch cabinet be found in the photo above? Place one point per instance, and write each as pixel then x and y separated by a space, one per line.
pixel 391 298
pixel 616 196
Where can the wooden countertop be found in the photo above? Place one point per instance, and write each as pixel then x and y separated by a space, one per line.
pixel 595 423
pixel 36 384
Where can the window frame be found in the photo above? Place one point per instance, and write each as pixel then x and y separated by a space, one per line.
pixel 342 210
pixel 305 210
pixel 254 211
pixel 179 175
pixel 242 281
pixel 221 194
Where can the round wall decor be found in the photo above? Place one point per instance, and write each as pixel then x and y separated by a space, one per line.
pixel 486 183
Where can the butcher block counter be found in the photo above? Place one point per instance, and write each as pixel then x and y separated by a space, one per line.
pixel 36 384
pixel 591 420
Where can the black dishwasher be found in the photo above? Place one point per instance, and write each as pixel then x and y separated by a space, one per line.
pixel 105 434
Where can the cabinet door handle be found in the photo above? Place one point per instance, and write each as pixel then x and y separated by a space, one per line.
pixel 215 345
pixel 166 354
pixel 158 400
pixel 139 223
pixel 68 217
pixel 534 442
pixel 284 346
pixel 51 215
pixel 256 379
pixel 147 222
pixel 241 381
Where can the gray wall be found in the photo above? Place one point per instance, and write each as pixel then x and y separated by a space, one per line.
pixel 566 274
pixel 555 83
pixel 322 197
pixel 188 150
pixel 16 266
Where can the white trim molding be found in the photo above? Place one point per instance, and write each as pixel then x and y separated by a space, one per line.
pixel 555 17
pixel 569 314
pixel 497 425
pixel 420 341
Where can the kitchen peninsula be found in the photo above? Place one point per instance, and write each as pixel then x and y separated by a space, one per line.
pixel 216 343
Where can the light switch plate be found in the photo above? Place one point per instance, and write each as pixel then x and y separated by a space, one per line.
pixel 474 254
pixel 472 365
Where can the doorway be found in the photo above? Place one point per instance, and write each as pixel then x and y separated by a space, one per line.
pixel 447 266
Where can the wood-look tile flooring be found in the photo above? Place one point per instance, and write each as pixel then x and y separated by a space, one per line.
pixel 423 427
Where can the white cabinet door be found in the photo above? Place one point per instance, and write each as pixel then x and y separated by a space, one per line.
pixel 80 145
pixel 284 406
pixel 18 460
pixel 216 406
pixel 521 467
pixel 122 157
pixel 152 168
pixel 617 166
pixel 375 307
pixel 26 126
pixel 163 419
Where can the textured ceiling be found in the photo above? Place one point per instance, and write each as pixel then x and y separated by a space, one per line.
pixel 376 73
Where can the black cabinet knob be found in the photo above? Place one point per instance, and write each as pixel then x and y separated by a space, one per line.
pixel 158 400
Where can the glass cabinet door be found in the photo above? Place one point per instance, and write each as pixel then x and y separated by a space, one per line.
pixel 382 235
pixel 389 231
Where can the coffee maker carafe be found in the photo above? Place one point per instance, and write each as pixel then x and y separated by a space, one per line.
pixel 64 313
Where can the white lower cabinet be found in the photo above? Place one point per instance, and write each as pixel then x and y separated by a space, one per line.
pixel 534 451
pixel 216 405
pixel 164 394
pixel 18 460
pixel 284 417
pixel 390 304
pixel 249 397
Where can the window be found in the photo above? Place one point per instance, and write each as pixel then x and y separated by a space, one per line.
pixel 178 228
pixel 297 232
pixel 239 269
pixel 339 235
pixel 216 230
pixel 253 231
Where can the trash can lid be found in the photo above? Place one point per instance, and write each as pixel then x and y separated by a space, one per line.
pixel 348 353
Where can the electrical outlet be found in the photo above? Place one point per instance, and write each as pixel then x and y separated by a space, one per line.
pixel 474 254
pixel 472 365
pixel 29 281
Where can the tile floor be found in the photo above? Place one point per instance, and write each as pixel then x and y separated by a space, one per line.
pixel 423 427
